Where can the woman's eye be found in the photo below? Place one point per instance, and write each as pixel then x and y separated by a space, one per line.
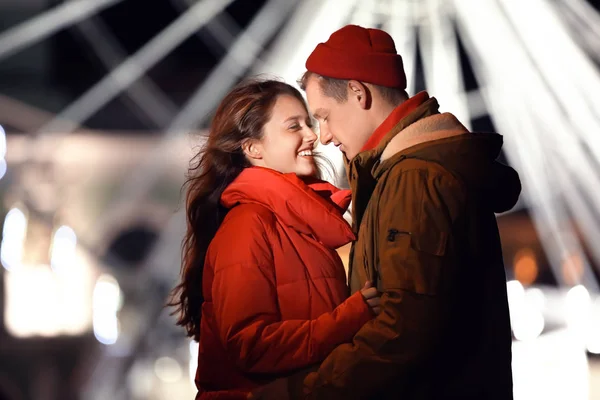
pixel 294 127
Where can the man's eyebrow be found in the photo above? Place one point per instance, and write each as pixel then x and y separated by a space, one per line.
pixel 317 113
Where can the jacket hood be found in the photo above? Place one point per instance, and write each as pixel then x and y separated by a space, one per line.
pixel 313 209
pixel 472 157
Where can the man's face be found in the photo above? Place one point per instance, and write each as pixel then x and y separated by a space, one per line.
pixel 345 124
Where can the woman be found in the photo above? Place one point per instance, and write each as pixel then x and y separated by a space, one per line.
pixel 263 289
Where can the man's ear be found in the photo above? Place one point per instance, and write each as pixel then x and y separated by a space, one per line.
pixel 252 149
pixel 360 93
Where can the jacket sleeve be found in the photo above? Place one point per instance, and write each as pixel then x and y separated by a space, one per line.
pixel 251 329
pixel 414 223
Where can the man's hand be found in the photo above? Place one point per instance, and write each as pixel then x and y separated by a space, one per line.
pixel 276 390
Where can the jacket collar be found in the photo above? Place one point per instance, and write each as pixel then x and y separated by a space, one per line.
pixel 421 134
pixel 395 116
pixel 360 169
pixel 364 161
pixel 308 209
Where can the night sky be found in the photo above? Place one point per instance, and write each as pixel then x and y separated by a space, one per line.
pixel 75 67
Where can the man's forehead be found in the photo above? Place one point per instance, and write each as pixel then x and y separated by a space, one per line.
pixel 317 102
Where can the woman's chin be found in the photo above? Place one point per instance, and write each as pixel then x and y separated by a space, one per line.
pixel 307 171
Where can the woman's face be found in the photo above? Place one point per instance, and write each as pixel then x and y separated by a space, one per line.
pixel 288 140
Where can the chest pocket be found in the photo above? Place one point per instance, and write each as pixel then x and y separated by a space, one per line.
pixel 412 261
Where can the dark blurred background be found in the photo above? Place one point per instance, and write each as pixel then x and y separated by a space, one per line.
pixel 104 102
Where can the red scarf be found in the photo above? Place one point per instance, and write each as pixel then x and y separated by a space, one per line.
pixel 395 116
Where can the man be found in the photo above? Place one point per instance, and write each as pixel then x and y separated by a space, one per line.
pixel 425 191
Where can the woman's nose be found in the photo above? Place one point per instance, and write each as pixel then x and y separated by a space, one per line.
pixel 310 136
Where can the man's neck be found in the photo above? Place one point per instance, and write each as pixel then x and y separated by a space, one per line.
pixel 386 115
pixel 382 112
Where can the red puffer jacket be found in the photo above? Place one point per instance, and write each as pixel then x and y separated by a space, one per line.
pixel 274 287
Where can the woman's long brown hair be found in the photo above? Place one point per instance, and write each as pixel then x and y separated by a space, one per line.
pixel 241 116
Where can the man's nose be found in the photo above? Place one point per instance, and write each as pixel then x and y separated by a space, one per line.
pixel 325 135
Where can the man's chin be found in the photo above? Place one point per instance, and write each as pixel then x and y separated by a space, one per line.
pixel 345 152
pixel 348 156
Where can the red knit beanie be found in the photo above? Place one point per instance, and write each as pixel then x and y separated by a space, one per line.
pixel 354 52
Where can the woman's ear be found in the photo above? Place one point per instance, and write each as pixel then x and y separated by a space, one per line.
pixel 252 149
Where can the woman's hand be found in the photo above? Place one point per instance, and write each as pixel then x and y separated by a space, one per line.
pixel 372 297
